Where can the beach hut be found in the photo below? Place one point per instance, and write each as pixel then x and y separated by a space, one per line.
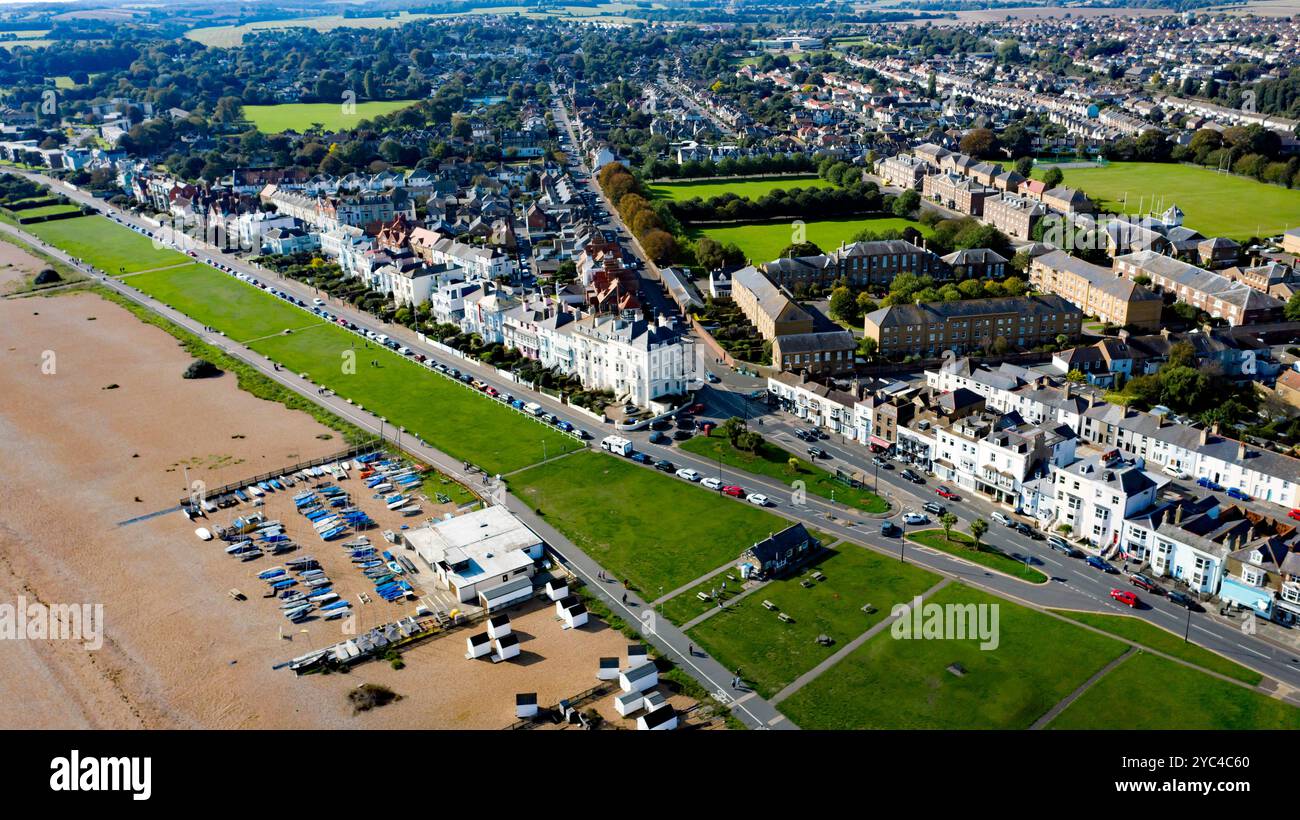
pixel 556 589
pixel 659 719
pixel 507 594
pixel 575 616
pixel 507 648
pixel 526 705
pixel 478 645
pixel 608 669
pixel 498 626
pixel 567 602
pixel 655 700
pixel 628 702
pixel 637 654
pixel 638 678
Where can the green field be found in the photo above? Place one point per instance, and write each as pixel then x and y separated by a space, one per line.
pixel 1187 699
pixel 771 653
pixel 763 241
pixel 749 188
pixel 962 545
pixel 1153 637
pixel 1215 204
pixel 642 525
pixel 905 684
pixel 47 210
pixel 105 244
pixel 272 119
pixel 457 420
pixel 773 462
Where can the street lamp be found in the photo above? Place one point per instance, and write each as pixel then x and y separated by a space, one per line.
pixel 1187 632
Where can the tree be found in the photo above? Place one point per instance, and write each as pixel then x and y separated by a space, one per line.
pixel 977 529
pixel 1076 376
pixel 733 428
pixel 660 246
pixel 868 347
pixel 981 143
pixel 710 253
pixel 1024 165
pixel 906 203
pixel 948 520
pixel 844 306
pixel 1292 309
pixel 1053 177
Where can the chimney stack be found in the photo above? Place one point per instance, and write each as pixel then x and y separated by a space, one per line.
pixel 1241 451
pixel 1205 436
pixel 1178 513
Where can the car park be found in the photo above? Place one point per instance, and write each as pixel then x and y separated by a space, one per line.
pixel 734 490
pixel 1125 597
pixel 688 474
pixel 758 500
pixel 1027 531
pixel 912 518
pixel 711 482
pixel 1101 564
pixel 681 435
pixel 934 508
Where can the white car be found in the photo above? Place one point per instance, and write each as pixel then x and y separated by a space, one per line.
pixel 711 482
pixel 1001 519
pixel 915 518
pixel 758 499
pixel 318 302
pixel 1171 470
pixel 689 475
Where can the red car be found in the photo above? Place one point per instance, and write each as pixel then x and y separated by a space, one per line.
pixel 1124 597
pixel 1294 514
pixel 733 490
pixel 695 408
pixel 944 492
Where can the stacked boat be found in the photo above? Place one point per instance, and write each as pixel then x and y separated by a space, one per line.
pixel 304 591
pixel 380 568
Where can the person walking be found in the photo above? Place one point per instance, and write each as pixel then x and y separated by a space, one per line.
pixel 624 597
pixel 690 649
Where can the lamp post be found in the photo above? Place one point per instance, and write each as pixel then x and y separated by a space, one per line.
pixel 1187 631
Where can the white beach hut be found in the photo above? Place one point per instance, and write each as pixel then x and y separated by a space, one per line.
pixel 498 626
pixel 628 702
pixel 507 648
pixel 638 678
pixel 526 705
pixel 478 645
pixel 659 719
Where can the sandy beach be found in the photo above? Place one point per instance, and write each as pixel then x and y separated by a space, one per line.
pixel 85 468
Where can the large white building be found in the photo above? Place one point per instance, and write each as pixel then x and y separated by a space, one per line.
pixel 1096 496
pixel 475 553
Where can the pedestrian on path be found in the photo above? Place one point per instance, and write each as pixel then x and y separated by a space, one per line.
pixel 624 597
pixel 690 649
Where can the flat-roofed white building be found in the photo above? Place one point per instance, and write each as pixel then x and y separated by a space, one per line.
pixel 480 552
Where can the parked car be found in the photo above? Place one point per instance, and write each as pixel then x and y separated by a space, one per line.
pixel 890 530
pixel 817 452
pixel 999 518
pixel 1101 564
pixel 944 492
pixel 912 477
pixel 711 378
pixel 659 438
pixel 934 508
pixel 695 408
pixel 1174 472
pixel 681 435
pixel 711 482
pixel 734 490
pixel 882 463
pixel 1208 484
pixel 688 474
pixel 640 458
pixel 1140 581
pixel 318 302
pixel 758 500
pixel 1124 597
pixel 1233 492
pixel 1064 548
pixel 664 465
pixel 1026 530
pixel 1184 600
pixel 915 518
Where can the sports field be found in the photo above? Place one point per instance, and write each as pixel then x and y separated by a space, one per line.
pixel 105 244
pixel 749 188
pixel 273 119
pixel 643 525
pixel 457 420
pixel 1215 204
pixel 763 241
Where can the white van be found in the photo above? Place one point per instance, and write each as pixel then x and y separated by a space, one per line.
pixel 617 445
pixel 534 408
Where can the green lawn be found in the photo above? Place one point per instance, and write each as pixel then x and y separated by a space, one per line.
pixel 640 524
pixel 889 683
pixel 1215 204
pixel 47 210
pixel 763 241
pixel 684 606
pixel 961 545
pixel 272 119
pixel 750 188
pixel 1181 698
pixel 771 653
pixel 1160 640
pixel 105 244
pixel 773 462
pixel 459 421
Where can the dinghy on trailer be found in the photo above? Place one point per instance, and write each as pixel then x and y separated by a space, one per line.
pixel 204 534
